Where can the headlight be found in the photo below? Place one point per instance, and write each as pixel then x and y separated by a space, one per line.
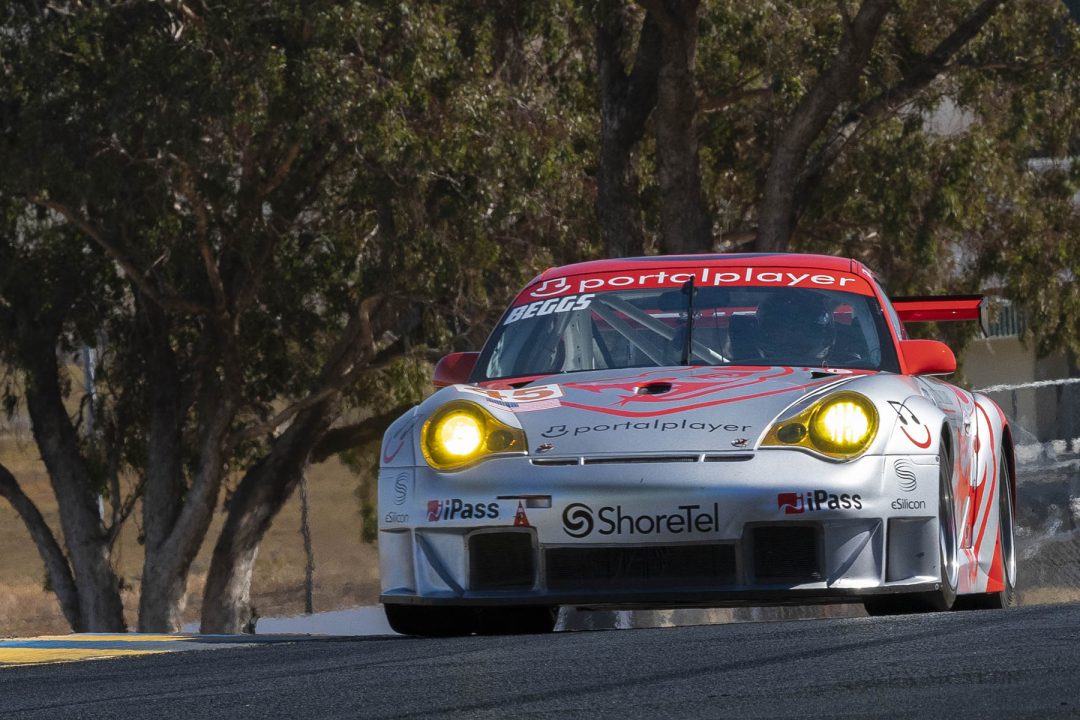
pixel 462 432
pixel 840 426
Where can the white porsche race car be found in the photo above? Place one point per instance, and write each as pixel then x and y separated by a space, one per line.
pixel 709 430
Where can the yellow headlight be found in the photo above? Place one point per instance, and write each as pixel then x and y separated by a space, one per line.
pixel 840 426
pixel 462 432
pixel 459 434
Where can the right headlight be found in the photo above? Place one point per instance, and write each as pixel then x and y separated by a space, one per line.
pixel 840 426
pixel 461 433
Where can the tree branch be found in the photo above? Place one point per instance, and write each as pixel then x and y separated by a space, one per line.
pixel 723 102
pixel 341 368
pixel 282 172
pixel 346 437
pixel 916 79
pixel 660 13
pixel 923 72
pixel 56 563
pixel 202 237
pixel 123 512
pixel 129 269
pixel 841 7
pixel 779 200
pixel 250 280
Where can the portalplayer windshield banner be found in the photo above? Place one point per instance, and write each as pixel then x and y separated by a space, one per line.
pixel 722 276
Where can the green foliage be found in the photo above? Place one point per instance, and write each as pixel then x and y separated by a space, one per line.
pixel 945 194
pixel 412 168
pixel 242 177
pixel 436 155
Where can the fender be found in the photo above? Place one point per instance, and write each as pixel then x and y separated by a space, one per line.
pixel 915 427
pixel 399 442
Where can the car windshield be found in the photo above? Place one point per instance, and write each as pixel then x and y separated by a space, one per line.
pixel 788 326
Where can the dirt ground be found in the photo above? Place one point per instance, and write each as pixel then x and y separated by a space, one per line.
pixel 346 568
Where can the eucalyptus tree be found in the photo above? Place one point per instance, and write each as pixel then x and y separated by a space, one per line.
pixel 816 125
pixel 282 196
pixel 51 293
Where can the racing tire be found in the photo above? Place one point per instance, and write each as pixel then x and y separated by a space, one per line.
pixel 426 621
pixel 532 620
pixel 944 597
pixel 1006 597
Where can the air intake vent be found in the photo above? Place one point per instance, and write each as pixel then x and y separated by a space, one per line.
pixel 654 388
pixel 623 460
pixel 501 561
pixel 628 459
pixel 729 457
pixel 640 568
pixel 786 553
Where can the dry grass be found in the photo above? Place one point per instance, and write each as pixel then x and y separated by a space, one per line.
pixel 346 569
pixel 1049 595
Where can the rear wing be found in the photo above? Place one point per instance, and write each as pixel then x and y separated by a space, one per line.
pixel 943 308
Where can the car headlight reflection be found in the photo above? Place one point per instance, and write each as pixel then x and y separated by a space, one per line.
pixel 461 433
pixel 840 426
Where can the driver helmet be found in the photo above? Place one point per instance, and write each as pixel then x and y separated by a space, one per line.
pixel 795 325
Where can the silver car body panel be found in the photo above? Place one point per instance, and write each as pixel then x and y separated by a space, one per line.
pixel 608 467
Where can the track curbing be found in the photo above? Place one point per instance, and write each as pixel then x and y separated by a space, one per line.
pixel 48 649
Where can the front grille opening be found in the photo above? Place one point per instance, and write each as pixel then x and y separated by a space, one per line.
pixel 786 553
pixel 640 568
pixel 729 457
pixel 501 561
pixel 630 459
pixel 634 459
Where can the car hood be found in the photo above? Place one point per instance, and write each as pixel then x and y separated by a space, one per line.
pixel 661 410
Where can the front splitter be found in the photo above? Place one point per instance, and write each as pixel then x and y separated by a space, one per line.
pixel 666 599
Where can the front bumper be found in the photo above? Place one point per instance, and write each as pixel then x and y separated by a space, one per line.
pixel 773 527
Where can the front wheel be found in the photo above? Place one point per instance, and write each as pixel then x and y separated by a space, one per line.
pixel 944 597
pixel 1006 597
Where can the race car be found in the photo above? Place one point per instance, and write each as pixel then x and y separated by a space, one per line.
pixel 697 431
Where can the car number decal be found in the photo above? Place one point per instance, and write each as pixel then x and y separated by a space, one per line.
pixel 541 397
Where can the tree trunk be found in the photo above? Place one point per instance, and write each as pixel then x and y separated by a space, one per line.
pixel 100 606
pixel 257 500
pixel 162 596
pixel 168 564
pixel 508 53
pixel 780 203
pixel 684 217
pixel 268 484
pixel 309 554
pixel 163 584
pixel 626 100
pixel 56 564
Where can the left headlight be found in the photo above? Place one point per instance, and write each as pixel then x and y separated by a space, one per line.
pixel 461 432
pixel 840 426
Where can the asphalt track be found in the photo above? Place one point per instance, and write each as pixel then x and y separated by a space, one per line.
pixel 1022 663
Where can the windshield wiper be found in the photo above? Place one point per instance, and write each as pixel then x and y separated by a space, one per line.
pixel 689 289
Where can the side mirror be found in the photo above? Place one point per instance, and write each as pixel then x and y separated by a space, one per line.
pixel 454 369
pixel 927 357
